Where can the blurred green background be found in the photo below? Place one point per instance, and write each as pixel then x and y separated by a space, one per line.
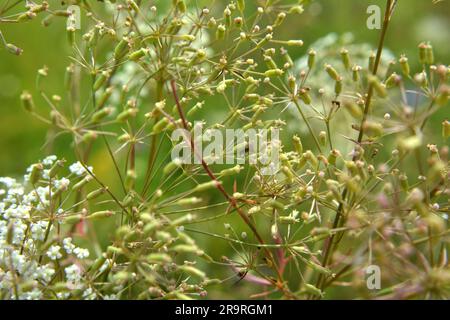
pixel 22 137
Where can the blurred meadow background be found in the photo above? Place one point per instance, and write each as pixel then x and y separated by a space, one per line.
pixel 23 137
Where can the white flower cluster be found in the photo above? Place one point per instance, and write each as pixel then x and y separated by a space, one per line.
pixel 28 266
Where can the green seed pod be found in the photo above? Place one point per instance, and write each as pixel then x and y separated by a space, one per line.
pixel 296 43
pixel 68 78
pixel 272 203
pixel 404 65
pixel 71 35
pixel 150 227
pixel 100 80
pixel 192 271
pixel 47 20
pixel 270 62
pixel 182 220
pixel 311 158
pixel 56 168
pixel 112 250
pixel 136 55
pixel 126 114
pixel 89 136
pixel 422 53
pixel 332 157
pixel 311 58
pixel 410 143
pixel 133 5
pixel 280 18
pixel 298 146
pixel 230 171
pixel 95 194
pixel 195 108
pixel 353 108
pixel 181 5
pixel 27 101
pixel 443 96
pixel 206 186
pixel 446 129
pixel 392 81
pixel 241 5
pixel 404 182
pixel 36 173
pixel 304 95
pixel 100 215
pixel 185 248
pixel 355 73
pixel 121 48
pixel 82 183
pixel 287 173
pixel 323 138
pixel 319 269
pixel 102 113
pixel 380 88
pixel 130 179
pixel 72 219
pixel 158 258
pixel 373 129
pixel 220 32
pixel 332 72
pixel 104 97
pixel 338 86
pixel 296 9
pixel 171 167
pixel 273 73
pixel 188 201
pixel 345 58
pixel 160 125
pixel 14 49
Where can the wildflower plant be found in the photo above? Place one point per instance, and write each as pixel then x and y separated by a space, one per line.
pixel 358 183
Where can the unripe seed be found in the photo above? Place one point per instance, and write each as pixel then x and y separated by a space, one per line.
pixel 311 58
pixel 136 55
pixel 206 186
pixel 95 194
pixel 404 65
pixel 100 215
pixel 446 129
pixel 345 58
pixel 273 73
pixel 99 115
pixel 332 72
pixel 27 101
pixel 36 173
pixel 230 171
pixel 56 168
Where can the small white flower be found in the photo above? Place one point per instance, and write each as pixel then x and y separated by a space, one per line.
pixel 81 253
pixel 63 183
pixel 54 252
pixel 73 273
pixel 49 160
pixel 68 245
pixel 89 294
pixel 78 169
